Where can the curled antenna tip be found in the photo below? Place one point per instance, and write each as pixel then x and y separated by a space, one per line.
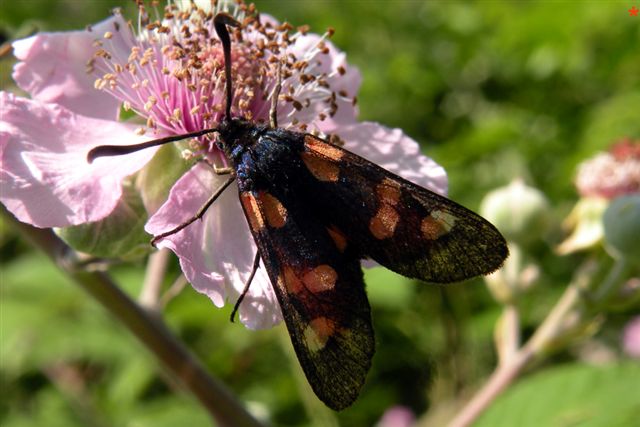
pixel 90 157
pixel 220 23
pixel 225 18
pixel 96 152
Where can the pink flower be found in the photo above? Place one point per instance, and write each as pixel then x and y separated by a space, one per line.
pixel 631 338
pixel 397 416
pixel 170 74
pixel 611 174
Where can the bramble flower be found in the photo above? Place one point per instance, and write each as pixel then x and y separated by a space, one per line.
pixel 167 77
pixel 611 174
pixel 602 178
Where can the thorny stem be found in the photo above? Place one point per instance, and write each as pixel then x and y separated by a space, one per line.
pixel 556 325
pixel 189 371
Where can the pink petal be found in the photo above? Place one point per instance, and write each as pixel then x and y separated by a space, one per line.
pixel 396 152
pixel 53 68
pixel 329 63
pixel 216 253
pixel 45 177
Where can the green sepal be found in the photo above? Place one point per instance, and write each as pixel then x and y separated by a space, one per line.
pixel 156 179
pixel 119 235
pixel 622 227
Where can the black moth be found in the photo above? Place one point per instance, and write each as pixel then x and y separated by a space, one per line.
pixel 315 210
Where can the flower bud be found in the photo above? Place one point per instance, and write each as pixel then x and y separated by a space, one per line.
pixel 585 224
pixel 622 227
pixel 520 212
pixel 515 277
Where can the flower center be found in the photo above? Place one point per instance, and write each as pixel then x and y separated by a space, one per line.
pixel 172 72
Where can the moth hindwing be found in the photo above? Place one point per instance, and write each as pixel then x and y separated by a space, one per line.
pixel 317 281
pixel 315 210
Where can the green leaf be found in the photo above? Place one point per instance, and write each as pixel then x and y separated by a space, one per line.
pixel 571 395
pixel 46 318
pixel 169 412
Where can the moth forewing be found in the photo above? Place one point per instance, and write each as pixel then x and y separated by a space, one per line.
pixel 407 228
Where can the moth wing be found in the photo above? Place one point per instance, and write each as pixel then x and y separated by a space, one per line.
pixel 321 294
pixel 408 229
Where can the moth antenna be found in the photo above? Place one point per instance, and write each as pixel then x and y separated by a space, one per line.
pixel 273 111
pixel 220 23
pixel 119 150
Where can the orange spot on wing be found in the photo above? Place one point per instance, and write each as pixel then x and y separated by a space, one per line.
pixel 320 279
pixel 321 168
pixel 388 192
pixel 323 148
pixel 431 228
pixel 338 238
pixel 383 225
pixel 252 211
pixel 274 211
pixel 292 283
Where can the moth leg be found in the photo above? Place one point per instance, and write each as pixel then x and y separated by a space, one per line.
pixel 218 170
pixel 273 111
pixel 222 171
pixel 198 215
pixel 256 264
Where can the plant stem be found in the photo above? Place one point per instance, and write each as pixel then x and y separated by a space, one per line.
pixel 175 357
pixel 616 277
pixel 499 380
pixel 156 269
pixel 508 333
pixel 556 325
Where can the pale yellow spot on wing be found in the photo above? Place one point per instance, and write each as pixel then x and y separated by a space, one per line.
pixel 446 219
pixel 322 278
pixel 274 211
pixel 437 224
pixel 384 223
pixel 318 332
pixel 252 211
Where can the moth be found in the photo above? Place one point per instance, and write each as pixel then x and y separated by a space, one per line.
pixel 315 210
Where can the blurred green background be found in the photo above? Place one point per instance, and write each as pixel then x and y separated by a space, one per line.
pixel 493 91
